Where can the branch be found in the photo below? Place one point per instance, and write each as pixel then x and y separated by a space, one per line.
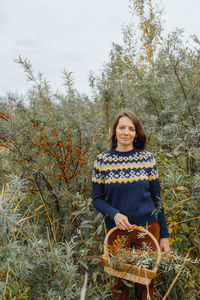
pixel 150 98
pixel 183 90
pixel 177 276
pixel 50 188
pixel 45 206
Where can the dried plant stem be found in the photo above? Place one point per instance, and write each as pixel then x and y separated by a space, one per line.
pixel 26 218
pixel 51 247
pixel 184 93
pixel 22 233
pixel 4 292
pixel 198 217
pixel 147 287
pixel 18 204
pixel 177 276
pixel 84 288
pixel 95 231
pixel 46 210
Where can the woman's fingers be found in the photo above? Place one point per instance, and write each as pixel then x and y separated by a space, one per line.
pixel 164 245
pixel 122 222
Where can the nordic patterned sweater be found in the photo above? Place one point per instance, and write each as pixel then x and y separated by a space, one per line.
pixel 127 182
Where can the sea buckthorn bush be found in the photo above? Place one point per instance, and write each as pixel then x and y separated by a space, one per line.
pixel 51 237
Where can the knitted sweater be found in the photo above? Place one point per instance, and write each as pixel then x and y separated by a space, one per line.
pixel 127 183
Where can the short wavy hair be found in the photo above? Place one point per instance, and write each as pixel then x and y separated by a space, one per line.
pixel 140 140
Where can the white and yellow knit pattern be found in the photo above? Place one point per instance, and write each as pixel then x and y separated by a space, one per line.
pixel 111 168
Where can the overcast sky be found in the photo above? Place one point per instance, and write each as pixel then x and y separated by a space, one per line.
pixel 72 34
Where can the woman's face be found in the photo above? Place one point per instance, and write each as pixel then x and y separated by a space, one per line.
pixel 125 133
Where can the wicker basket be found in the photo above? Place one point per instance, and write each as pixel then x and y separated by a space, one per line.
pixel 128 271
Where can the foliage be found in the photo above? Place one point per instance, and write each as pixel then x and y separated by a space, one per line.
pixel 36 267
pixel 50 235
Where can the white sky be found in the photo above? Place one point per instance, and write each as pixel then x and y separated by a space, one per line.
pixel 72 34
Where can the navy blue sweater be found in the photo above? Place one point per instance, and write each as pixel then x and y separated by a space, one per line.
pixel 127 183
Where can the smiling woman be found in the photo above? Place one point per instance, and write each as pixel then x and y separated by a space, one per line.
pixel 126 188
pixel 125 134
pixel 127 131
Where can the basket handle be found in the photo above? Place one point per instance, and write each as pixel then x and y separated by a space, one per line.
pixel 106 251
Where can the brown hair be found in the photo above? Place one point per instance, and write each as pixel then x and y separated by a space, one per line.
pixel 140 140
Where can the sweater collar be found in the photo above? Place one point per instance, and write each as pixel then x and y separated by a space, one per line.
pixel 124 153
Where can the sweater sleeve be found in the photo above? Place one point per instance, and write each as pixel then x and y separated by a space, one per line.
pixel 155 193
pixel 98 190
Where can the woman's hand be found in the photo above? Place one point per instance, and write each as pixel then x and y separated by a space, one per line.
pixel 122 222
pixel 164 245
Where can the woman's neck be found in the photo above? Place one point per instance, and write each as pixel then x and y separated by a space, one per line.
pixel 124 148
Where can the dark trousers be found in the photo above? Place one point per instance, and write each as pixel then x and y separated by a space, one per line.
pixel 141 291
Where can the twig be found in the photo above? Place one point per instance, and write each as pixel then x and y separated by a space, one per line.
pixel 156 109
pixel 4 292
pixel 83 290
pixel 95 231
pixel 183 90
pixel 50 188
pixel 198 217
pixel 45 206
pixel 175 279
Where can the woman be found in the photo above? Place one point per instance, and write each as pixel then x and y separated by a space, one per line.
pixel 126 188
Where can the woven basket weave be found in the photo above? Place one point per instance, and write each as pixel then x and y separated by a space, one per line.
pixel 128 271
